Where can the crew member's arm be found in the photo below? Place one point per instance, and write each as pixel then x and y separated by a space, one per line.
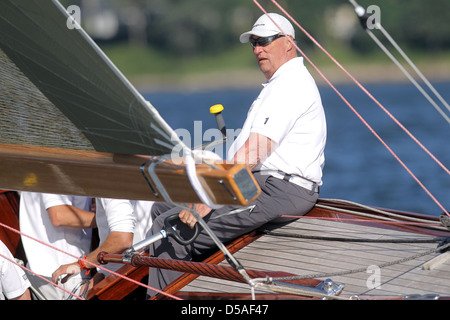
pixel 24 296
pixel 116 242
pixel 255 150
pixel 121 222
pixel 72 217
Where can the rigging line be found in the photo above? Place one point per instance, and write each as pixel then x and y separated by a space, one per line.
pixel 359 10
pixel 384 219
pixel 376 210
pixel 430 86
pixel 294 290
pixel 357 114
pixel 408 75
pixel 355 81
pixel 41 277
pixel 78 258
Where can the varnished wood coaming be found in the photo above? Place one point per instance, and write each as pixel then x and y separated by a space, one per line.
pixel 117 288
pixel 107 175
pixel 377 219
pixel 9 215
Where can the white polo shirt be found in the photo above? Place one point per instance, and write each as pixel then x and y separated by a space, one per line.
pixel 35 222
pixel 289 111
pixel 13 281
pixel 142 210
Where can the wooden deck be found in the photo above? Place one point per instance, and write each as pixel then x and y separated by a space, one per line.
pixel 317 256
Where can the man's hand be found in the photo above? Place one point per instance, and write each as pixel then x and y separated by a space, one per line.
pixel 69 269
pixel 188 218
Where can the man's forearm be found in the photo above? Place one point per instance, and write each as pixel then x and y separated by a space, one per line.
pixel 255 150
pixel 72 217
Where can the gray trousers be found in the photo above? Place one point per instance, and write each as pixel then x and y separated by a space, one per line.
pixel 278 197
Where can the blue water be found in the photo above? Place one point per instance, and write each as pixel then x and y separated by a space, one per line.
pixel 358 167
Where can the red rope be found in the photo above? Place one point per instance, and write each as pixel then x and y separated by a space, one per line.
pixel 353 109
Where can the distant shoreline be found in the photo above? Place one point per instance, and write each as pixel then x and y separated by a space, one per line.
pixel 252 78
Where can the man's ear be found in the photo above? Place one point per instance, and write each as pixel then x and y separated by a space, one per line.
pixel 290 43
pixel 292 49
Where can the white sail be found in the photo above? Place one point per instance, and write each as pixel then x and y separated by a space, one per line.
pixel 58 89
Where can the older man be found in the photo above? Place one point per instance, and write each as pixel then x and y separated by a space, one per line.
pixel 282 141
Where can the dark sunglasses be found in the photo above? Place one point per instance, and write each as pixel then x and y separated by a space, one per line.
pixel 264 41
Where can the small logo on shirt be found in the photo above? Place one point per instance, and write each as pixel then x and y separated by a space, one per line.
pixel 265 121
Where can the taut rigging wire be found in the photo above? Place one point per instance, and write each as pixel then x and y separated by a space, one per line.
pixel 362 15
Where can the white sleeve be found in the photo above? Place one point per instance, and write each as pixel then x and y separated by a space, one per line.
pixel 13 280
pixel 52 200
pixel 120 215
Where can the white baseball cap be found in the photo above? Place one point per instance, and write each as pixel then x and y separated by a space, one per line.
pixel 264 27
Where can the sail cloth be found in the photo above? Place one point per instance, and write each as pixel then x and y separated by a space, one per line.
pixel 58 89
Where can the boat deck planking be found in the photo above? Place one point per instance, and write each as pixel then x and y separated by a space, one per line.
pixel 311 257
